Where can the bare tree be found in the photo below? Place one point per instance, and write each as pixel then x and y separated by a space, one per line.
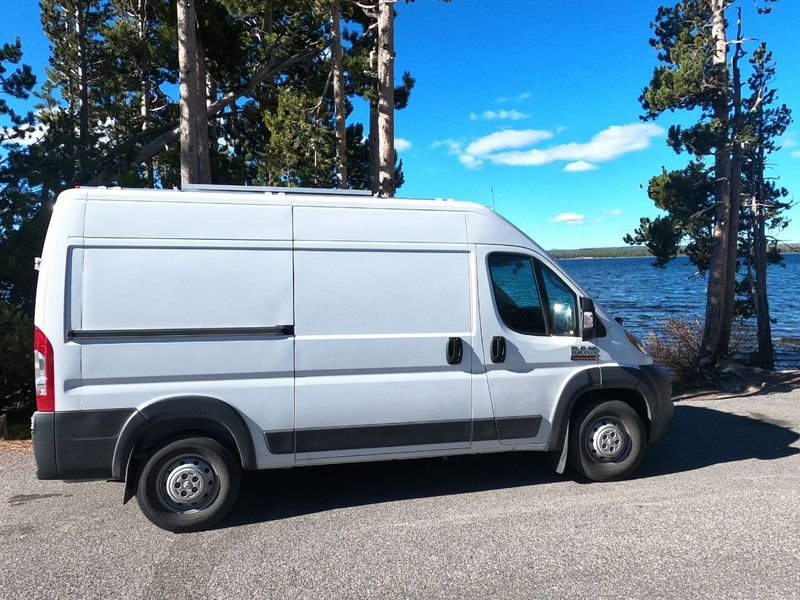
pixel 386 153
pixel 193 111
pixel 718 274
pixel 80 15
pixel 139 8
pixel 201 116
pixel 735 188
pixel 339 96
pixel 187 57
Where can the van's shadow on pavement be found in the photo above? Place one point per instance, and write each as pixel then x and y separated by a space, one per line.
pixel 700 437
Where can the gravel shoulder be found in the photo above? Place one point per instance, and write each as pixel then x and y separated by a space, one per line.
pixel 714 512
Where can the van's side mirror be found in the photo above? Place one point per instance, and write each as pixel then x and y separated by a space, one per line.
pixel 588 329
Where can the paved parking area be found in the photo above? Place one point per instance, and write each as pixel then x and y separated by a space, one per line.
pixel 714 513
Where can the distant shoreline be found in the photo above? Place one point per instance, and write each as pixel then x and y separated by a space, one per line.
pixel 632 252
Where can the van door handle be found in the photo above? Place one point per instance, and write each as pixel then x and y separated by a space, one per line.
pixel 455 351
pixel 498 349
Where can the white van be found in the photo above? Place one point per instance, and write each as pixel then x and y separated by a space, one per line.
pixel 182 336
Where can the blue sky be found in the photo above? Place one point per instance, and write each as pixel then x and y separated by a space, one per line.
pixel 538 100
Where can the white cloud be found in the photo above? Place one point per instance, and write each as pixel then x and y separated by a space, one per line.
pixel 570 218
pixel 790 143
pixel 449 143
pixel 470 161
pixel 402 144
pixel 517 98
pixel 499 115
pixel 579 165
pixel 507 138
pixel 795 154
pixel 508 147
pixel 614 211
pixel 607 145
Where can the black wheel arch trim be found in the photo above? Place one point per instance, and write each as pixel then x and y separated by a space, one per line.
pixel 649 381
pixel 181 414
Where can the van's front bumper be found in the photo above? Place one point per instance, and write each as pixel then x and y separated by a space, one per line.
pixel 76 444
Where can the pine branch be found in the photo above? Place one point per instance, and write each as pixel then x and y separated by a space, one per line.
pixel 172 134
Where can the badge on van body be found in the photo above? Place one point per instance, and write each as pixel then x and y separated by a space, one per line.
pixel 585 352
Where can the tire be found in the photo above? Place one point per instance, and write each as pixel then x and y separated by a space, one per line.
pixel 607 441
pixel 203 478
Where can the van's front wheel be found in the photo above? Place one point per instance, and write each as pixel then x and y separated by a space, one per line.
pixel 188 485
pixel 607 441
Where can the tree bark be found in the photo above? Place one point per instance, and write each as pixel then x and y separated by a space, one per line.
pixel 736 194
pixel 339 96
pixel 766 350
pixel 201 115
pixel 83 84
pixel 145 86
pixel 187 61
pixel 716 296
pixel 373 146
pixel 386 154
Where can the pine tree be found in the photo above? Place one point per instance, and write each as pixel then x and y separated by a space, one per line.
pixel 15 84
pixel 699 73
pixel 764 122
pixel 74 28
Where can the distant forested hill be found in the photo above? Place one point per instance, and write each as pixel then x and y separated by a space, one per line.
pixel 632 251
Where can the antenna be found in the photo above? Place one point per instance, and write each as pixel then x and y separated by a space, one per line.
pixel 493 208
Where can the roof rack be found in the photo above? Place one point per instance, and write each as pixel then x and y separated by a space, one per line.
pixel 268 189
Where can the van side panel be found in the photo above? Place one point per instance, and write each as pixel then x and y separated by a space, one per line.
pixel 137 287
pixel 377 298
pixel 180 220
pixel 313 223
pixel 201 314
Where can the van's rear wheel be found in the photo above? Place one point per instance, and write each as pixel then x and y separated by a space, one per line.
pixel 607 441
pixel 188 485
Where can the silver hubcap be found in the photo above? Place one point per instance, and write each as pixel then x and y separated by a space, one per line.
pixel 190 483
pixel 607 440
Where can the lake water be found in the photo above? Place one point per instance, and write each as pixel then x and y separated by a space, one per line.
pixel 643 295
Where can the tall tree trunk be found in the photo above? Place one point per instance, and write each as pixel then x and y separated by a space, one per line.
pixel 766 350
pixel 716 297
pixel 145 85
pixel 83 85
pixel 736 193
pixel 373 145
pixel 201 115
pixel 339 96
pixel 187 62
pixel 386 154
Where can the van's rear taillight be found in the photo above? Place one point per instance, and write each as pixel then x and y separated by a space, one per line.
pixel 43 372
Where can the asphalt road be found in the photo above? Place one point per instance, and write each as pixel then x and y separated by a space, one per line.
pixel 714 513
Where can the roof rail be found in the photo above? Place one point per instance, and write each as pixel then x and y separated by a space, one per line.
pixel 268 189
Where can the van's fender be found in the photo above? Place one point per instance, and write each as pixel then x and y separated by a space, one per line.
pixel 177 415
pixel 650 382
pixel 580 382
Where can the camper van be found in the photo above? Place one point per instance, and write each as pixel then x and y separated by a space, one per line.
pixel 182 337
